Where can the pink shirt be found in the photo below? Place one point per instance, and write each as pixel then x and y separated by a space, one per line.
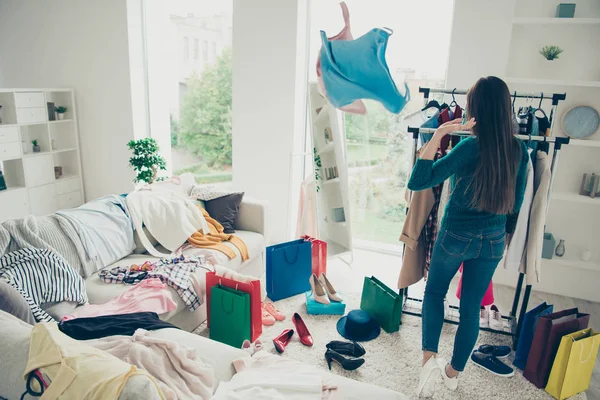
pixel 148 295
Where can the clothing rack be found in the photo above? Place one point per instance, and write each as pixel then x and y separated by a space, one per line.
pixel 514 323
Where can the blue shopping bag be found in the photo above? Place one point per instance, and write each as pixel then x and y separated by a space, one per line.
pixel 289 267
pixel 530 322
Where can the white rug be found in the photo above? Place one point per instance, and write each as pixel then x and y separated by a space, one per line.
pixel 394 360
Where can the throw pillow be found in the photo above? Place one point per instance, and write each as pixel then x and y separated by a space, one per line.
pixel 207 192
pixel 225 210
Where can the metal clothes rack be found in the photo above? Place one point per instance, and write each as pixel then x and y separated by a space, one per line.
pixel 513 324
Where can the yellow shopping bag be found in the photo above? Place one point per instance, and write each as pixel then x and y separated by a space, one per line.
pixel 572 369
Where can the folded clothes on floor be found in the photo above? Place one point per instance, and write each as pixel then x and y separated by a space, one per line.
pixel 180 373
pixel 108 325
pixel 149 295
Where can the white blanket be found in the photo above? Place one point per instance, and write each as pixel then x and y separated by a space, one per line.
pixel 169 217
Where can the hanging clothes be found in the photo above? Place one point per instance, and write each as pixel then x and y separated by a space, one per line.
pixel 431 228
pixel 537 219
pixel 488 297
pixel 307 224
pixel 357 69
pixel 76 370
pixel 515 251
pixel 432 123
pixel 356 107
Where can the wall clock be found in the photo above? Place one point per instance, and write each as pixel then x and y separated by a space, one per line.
pixel 580 122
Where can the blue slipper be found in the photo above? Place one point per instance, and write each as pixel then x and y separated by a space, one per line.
pixel 492 364
pixel 496 351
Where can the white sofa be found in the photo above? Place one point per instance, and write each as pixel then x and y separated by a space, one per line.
pixel 15 337
pixel 250 226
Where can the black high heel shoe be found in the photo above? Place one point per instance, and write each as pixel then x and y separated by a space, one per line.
pixel 349 364
pixel 352 349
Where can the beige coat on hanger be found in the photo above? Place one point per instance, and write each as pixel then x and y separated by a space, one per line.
pixel 537 219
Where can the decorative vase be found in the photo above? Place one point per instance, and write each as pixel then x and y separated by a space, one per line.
pixel 61 116
pixel 586 255
pixel 37 149
pixel 560 249
pixel 57 172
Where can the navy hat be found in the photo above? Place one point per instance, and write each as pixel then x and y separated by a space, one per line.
pixel 358 326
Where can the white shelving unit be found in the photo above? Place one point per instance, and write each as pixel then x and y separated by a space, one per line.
pixel 556 21
pixel 32 187
pixel 329 143
pixel 571 217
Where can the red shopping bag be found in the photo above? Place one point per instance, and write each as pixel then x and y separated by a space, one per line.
pixel 252 288
pixel 319 255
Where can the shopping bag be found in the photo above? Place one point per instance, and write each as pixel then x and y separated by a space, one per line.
pixel 230 316
pixel 528 327
pixel 382 303
pixel 572 369
pixel 289 267
pixel 252 288
pixel 319 255
pixel 550 329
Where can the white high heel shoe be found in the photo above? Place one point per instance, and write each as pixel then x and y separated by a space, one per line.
pixel 319 293
pixel 331 292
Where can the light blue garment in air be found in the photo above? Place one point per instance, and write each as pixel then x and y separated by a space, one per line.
pixel 356 69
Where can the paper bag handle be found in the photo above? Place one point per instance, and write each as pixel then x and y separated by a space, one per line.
pixel 285 255
pixel 589 355
pixel 236 285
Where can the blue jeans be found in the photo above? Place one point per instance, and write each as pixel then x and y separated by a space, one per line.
pixel 480 250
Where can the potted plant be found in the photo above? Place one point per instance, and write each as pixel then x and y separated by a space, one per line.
pixel 551 52
pixel 36 147
pixel 146 160
pixel 60 112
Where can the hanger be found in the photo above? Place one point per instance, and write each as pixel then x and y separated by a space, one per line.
pixel 444 104
pixel 541 99
pixel 453 103
pixel 432 104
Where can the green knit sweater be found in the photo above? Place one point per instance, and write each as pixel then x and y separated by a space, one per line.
pixel 459 165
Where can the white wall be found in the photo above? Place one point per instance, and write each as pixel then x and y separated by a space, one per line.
pixel 83 45
pixel 480 40
pixel 266 97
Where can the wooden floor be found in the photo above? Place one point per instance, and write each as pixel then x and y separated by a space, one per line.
pixel 349 278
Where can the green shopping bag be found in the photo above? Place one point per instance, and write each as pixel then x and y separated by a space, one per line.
pixel 382 303
pixel 229 316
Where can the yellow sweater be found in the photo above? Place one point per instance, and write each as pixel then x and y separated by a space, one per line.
pixel 216 238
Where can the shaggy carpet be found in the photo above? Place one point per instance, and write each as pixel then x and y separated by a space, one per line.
pixel 394 360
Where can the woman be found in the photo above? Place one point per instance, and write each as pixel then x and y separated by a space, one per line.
pixel 488 172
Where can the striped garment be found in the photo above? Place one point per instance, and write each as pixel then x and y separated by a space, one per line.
pixel 42 276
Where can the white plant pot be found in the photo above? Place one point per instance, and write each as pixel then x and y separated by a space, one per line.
pixel 61 116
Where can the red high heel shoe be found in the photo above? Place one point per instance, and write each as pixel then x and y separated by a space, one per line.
pixel 302 330
pixel 283 340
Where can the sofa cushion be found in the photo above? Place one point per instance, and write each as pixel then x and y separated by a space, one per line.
pixel 225 210
pixel 14 303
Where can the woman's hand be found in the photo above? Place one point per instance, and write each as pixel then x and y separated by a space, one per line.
pixel 448 127
pixel 453 126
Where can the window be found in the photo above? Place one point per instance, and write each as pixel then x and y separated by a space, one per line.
pixel 378 149
pixel 186 48
pixel 196 49
pixel 195 96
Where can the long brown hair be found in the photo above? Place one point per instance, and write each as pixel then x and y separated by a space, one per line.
pixel 495 177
